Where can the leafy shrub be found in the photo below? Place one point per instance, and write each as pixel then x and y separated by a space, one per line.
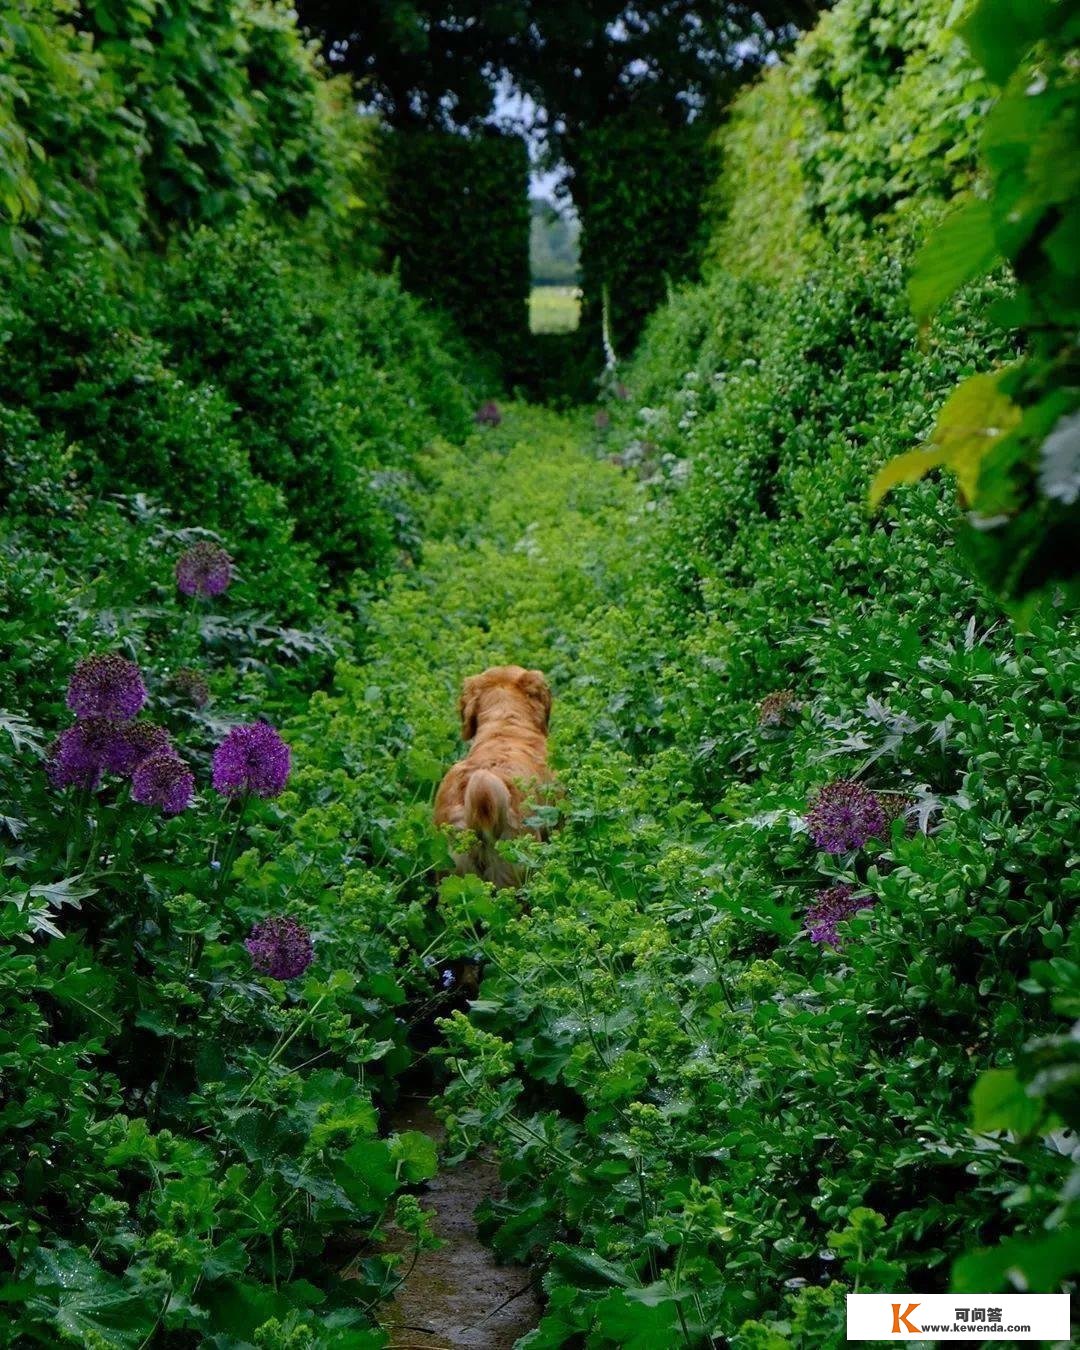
pixel 639 189
pixel 249 394
pixel 745 1109
pixel 1013 440
pixel 186 1141
pixel 718 1112
pixel 183 1137
pixel 872 120
pixel 127 117
pixel 340 381
pixel 457 227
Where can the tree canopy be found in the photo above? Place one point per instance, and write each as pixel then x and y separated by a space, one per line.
pixel 441 63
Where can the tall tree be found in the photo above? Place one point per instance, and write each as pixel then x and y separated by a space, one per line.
pixel 623 93
pixel 440 63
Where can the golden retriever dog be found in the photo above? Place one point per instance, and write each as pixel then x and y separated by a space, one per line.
pixel 504 713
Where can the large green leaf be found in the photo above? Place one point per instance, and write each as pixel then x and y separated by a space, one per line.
pixel 999 33
pixel 999 1102
pixel 83 1301
pixel 964 246
pixel 586 1270
pixel 414 1155
pixel 975 417
pixel 635 1325
pixel 1032 1265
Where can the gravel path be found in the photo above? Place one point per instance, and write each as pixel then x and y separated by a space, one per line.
pixel 458 1295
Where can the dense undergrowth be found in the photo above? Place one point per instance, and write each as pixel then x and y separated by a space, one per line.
pixel 753 1120
pixel 193 359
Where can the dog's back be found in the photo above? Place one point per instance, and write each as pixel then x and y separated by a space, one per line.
pixel 504 713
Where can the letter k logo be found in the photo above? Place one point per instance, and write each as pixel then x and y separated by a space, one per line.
pixel 898 1317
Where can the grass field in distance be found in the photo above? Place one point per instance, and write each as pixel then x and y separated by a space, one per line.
pixel 554 309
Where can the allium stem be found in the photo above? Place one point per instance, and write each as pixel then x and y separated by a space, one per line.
pixel 231 849
pixel 128 848
pixel 91 853
pixel 78 810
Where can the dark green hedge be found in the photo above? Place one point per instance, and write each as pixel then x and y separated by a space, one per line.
pixel 639 190
pixel 457 225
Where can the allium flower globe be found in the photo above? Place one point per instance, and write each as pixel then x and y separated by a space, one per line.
pixel 844 815
pixel 774 709
pixel 164 781
pixel 832 907
pixel 280 947
pixel 190 685
pixel 131 743
pixel 106 685
pixel 80 753
pixel 251 758
pixel 488 414
pixel 205 569
pixel 897 806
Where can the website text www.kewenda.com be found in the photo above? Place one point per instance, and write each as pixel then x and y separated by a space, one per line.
pixel 976 1328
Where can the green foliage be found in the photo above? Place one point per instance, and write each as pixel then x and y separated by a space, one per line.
pixel 443 65
pixel 723 1094
pixel 711 1125
pixel 189 351
pixel 182 1141
pixel 638 190
pixel 757 208
pixel 705 1119
pixel 183 1145
pixel 872 120
pixel 457 228
pixel 245 386
pixel 1018 461
pixel 124 117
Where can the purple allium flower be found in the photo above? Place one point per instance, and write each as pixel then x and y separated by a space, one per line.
pixel 280 947
pixel 251 758
pixel 165 781
pixel 131 743
pixel 204 569
pixel 844 815
pixel 488 414
pixel 602 420
pixel 773 710
pixel 831 907
pixel 79 754
pixel 622 392
pixel 106 685
pixel 190 685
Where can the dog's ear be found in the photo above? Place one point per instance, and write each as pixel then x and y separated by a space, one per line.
pixel 469 707
pixel 538 692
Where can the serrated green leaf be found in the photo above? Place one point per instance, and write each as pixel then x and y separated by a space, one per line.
pixel 415 1155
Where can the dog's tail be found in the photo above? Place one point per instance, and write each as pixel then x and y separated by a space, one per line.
pixel 487 805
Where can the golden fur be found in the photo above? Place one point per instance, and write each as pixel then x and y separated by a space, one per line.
pixel 504 713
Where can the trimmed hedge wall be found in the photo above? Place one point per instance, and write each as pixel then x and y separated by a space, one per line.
pixel 639 190
pixel 457 224
pixel 873 120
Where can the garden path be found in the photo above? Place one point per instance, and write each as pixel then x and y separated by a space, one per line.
pixel 532 538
